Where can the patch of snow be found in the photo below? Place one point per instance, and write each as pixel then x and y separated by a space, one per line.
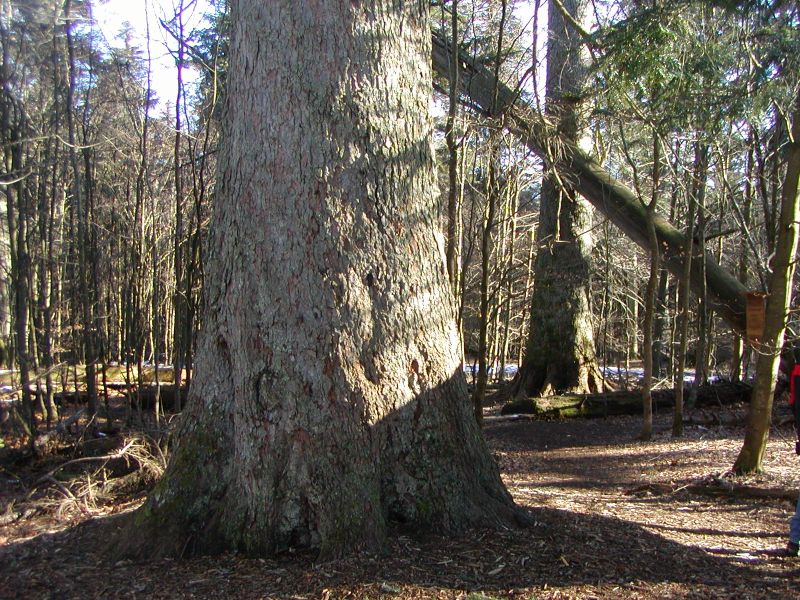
pixel 472 369
pixel 637 374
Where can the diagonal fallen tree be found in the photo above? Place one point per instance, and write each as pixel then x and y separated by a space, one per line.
pixel 612 198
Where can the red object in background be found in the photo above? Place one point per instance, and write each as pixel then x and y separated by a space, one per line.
pixel 794 384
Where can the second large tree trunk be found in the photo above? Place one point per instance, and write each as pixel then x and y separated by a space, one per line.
pixel 328 399
pixel 560 354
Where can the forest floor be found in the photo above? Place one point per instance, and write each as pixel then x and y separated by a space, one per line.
pixel 613 518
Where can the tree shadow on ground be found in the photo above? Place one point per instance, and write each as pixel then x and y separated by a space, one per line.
pixel 543 435
pixel 623 468
pixel 599 555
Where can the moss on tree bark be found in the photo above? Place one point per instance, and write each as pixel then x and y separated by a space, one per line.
pixel 328 400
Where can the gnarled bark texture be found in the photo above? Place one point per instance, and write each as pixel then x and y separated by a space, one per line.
pixel 560 354
pixel 328 398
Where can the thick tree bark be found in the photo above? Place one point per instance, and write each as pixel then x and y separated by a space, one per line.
pixel 560 354
pixel 725 293
pixel 328 398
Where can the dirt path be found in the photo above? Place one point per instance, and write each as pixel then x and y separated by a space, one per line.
pixel 613 518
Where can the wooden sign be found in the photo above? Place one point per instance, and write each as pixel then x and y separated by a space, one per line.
pixel 756 307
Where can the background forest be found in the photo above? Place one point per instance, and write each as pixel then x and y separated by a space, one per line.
pixel 107 195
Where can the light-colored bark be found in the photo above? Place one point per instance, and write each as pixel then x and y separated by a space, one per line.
pixel 328 399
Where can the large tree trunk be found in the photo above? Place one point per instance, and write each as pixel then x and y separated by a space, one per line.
pixel 328 398
pixel 560 355
pixel 726 294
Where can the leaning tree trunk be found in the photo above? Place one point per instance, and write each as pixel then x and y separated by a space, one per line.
pixel 751 455
pixel 560 355
pixel 616 201
pixel 328 398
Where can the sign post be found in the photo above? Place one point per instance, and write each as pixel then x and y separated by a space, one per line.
pixel 756 309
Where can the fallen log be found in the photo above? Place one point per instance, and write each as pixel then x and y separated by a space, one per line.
pixel 609 196
pixel 146 395
pixel 717 487
pixel 620 403
pixel 570 406
pixel 42 440
pixel 64 399
pixel 732 490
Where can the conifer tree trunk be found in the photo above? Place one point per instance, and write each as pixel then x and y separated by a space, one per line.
pixel 487 247
pixel 180 300
pixel 739 347
pixel 683 325
pixel 13 131
pixel 560 354
pixel 82 209
pixel 327 399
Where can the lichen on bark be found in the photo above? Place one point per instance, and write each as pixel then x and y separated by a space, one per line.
pixel 328 400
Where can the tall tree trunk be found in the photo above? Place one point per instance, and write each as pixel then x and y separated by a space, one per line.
pixel 180 300
pixel 739 347
pixel 560 354
pixel 143 171
pixel 452 153
pixel 82 212
pixel 12 124
pixel 699 184
pixel 780 293
pixel 508 268
pixel 487 246
pixel 328 398
pixel 684 283
pixel 662 361
pixel 492 198
pixel 650 299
